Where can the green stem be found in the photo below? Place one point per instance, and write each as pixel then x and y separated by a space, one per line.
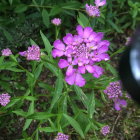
pixel 68 8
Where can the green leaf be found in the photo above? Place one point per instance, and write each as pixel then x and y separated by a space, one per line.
pixel 45 17
pixel 38 70
pixel 21 8
pixel 71 4
pixel 81 95
pixel 52 68
pixel 83 20
pixel 91 105
pixel 10 1
pixel 7 65
pixel 111 69
pixel 30 98
pixel 35 3
pixel 48 129
pixel 55 10
pixel 32 42
pixel 14 69
pixel 47 44
pixel 46 86
pixel 13 102
pixel 114 26
pixel 58 90
pixel 30 111
pixel 8 35
pixel 41 116
pixel 75 125
pixel 20 113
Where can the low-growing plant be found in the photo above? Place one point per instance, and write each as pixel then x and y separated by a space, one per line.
pixel 59 88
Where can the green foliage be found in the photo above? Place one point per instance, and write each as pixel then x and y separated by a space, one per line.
pixel 40 98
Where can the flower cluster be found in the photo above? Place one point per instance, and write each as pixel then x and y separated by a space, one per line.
pixel 4 99
pixel 94 11
pixel 114 92
pixel 56 21
pixel 105 130
pixel 33 53
pixel 80 53
pixel 6 52
pixel 61 136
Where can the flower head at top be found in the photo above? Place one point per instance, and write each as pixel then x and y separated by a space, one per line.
pixel 99 3
pixel 61 136
pixel 56 21
pixel 92 11
pixel 105 130
pixel 6 52
pixel 33 53
pixel 79 53
pixel 4 99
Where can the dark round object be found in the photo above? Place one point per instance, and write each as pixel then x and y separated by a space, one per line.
pixel 129 67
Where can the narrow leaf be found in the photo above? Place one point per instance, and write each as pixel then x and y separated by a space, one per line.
pixel 75 125
pixel 45 17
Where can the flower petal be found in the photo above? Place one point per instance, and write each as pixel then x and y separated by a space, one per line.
pixel 57 53
pixel 79 30
pixel 70 70
pixel 70 79
pixel 81 69
pixel 87 32
pixel 68 39
pixel 58 44
pixel 63 63
pixel 79 80
pixel 89 68
pixel 98 71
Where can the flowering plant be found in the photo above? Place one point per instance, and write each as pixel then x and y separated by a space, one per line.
pixel 59 88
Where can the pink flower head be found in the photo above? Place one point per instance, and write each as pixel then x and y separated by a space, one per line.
pixel 33 53
pixel 92 11
pixel 113 90
pixel 4 99
pixel 61 136
pixel 75 79
pixel 56 21
pixel 79 53
pixel 118 103
pixel 100 2
pixel 6 52
pixel 105 130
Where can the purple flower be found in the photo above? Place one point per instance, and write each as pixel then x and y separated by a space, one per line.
pixel 118 103
pixel 56 21
pixel 4 99
pixel 105 130
pixel 61 136
pixel 6 52
pixel 92 11
pixel 24 53
pixel 79 54
pixel 75 79
pixel 113 90
pixel 33 53
pixel 59 49
pixel 97 71
pixel 100 2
